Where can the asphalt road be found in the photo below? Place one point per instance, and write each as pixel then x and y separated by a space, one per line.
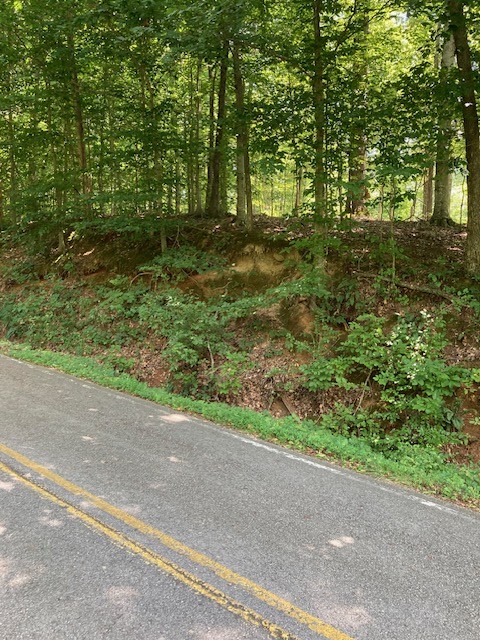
pixel 125 520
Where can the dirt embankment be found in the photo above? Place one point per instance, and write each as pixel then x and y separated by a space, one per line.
pixel 370 269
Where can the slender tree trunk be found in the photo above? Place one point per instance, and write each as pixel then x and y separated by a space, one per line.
pixel 178 188
pixel 223 207
pixel 79 119
pixel 356 173
pixel 218 152
pixel 189 169
pixel 472 132
pixel 66 156
pixel 12 169
pixel 298 190
pixel 2 205
pixel 427 210
pixel 413 208
pixel 170 191
pixel 163 238
pixel 319 178
pixel 157 170
pixel 358 194
pixel 318 86
pixel 137 178
pixel 248 187
pixel 114 166
pixel 190 141
pixel 103 140
pixel 241 202
pixel 244 210
pixel 340 194
pixel 443 174
pixel 56 177
pixel 197 117
pixel 428 184
pixel 391 215
pixel 12 166
pixel 357 158
pixel 101 165
pixel 212 77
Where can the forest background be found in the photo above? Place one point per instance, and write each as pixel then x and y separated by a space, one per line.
pixel 270 205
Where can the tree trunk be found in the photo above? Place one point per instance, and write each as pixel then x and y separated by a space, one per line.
pixel 53 152
pixel 248 186
pixel 2 212
pixel 244 210
pixel 79 120
pixel 171 170
pixel 214 202
pixel 178 188
pixel 197 116
pixel 114 165
pixel 12 167
pixel 12 164
pixel 318 86
pixel 472 132
pixel 443 174
pixel 212 76
pixel 356 173
pixel 190 143
pixel 189 167
pixel 357 157
pixel 158 175
pixel 428 194
pixel 319 178
pixel 241 202
pixel 223 206
pixel 298 190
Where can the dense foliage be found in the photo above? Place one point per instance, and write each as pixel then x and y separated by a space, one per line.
pixel 112 109
pixel 135 131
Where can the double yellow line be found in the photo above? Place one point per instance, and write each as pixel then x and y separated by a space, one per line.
pixel 315 624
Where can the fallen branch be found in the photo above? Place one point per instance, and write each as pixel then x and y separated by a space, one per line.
pixel 289 407
pixel 407 285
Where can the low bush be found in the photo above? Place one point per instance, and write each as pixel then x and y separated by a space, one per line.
pixel 412 390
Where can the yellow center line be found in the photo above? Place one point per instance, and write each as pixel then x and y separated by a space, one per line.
pixel 282 605
pixel 198 585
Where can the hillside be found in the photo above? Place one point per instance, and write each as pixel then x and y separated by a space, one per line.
pixel 385 348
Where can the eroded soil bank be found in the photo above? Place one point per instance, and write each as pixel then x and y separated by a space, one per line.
pixel 225 315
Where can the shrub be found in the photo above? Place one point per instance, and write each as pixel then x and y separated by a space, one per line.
pixel 413 387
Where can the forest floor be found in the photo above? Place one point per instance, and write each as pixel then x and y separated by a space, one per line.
pixel 245 324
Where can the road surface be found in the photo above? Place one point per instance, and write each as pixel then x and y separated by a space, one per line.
pixel 121 519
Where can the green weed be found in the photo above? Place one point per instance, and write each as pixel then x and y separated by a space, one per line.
pixel 424 468
pixel 403 370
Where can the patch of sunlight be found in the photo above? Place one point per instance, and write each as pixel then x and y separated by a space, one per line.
pixel 341 542
pixel 175 417
pixel 7 486
pixel 220 633
pixel 10 578
pixel 132 509
pixel 350 617
pixel 51 522
pixel 19 580
pixel 122 598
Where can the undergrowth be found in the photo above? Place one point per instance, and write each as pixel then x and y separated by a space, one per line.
pixel 399 402
pixel 423 468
